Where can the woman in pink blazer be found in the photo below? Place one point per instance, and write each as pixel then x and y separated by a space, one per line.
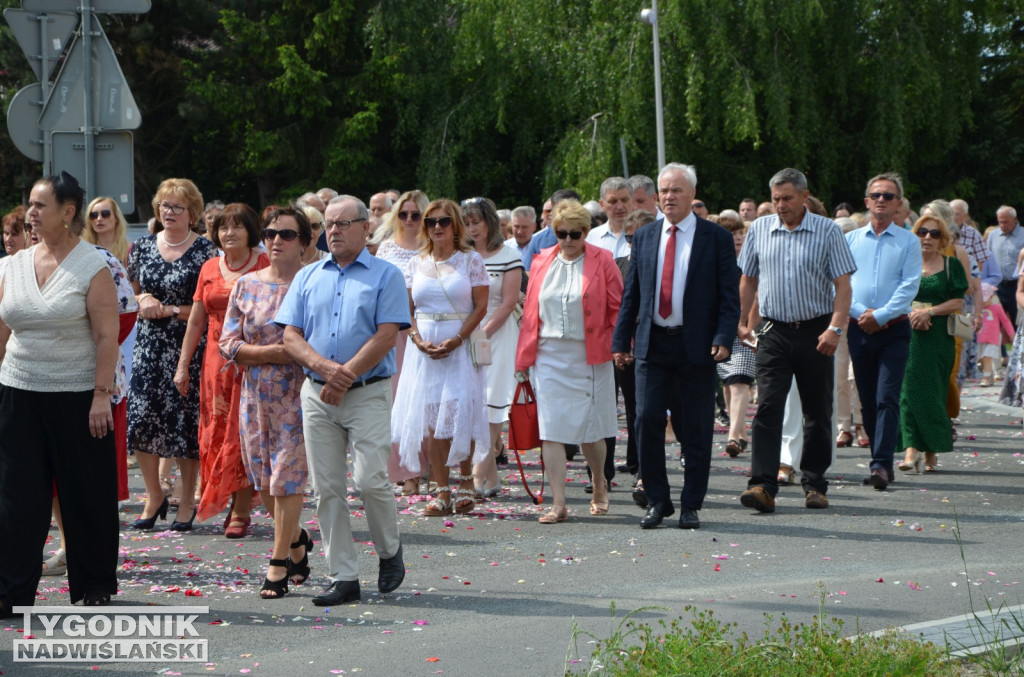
pixel 572 302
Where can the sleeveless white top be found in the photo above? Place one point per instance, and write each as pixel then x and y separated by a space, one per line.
pixel 51 348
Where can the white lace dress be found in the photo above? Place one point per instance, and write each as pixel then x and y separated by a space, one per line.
pixel 444 398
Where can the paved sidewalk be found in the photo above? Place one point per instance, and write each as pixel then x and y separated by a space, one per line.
pixel 495 593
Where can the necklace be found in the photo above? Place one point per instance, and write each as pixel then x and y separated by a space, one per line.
pixel 179 243
pixel 235 270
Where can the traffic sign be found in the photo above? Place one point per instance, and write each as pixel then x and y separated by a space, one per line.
pixel 113 106
pixel 115 163
pixel 23 121
pixel 42 51
pixel 101 6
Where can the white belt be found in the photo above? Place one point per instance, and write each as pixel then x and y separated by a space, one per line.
pixel 440 317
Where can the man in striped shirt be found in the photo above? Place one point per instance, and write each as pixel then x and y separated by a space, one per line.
pixel 798 266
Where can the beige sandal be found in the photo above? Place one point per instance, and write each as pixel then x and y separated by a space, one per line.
pixel 558 513
pixel 465 499
pixel 439 507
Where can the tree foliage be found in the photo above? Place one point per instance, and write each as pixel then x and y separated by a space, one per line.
pixel 261 100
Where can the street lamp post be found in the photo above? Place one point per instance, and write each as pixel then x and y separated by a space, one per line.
pixel 650 16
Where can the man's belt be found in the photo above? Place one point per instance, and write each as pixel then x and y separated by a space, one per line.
pixel 671 331
pixel 357 384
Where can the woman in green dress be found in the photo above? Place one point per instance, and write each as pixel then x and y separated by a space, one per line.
pixel 924 426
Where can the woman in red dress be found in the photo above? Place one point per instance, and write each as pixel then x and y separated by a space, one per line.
pixel 236 232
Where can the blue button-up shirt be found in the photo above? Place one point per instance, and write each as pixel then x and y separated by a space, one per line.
pixel 1005 249
pixel 541 240
pixel 796 269
pixel 339 309
pixel 888 271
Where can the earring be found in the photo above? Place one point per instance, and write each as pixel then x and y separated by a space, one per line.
pixel 67 226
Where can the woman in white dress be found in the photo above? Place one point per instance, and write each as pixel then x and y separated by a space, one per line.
pixel 403 225
pixel 572 302
pixel 441 393
pixel 505 270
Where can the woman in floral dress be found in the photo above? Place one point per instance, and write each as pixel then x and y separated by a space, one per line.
pixel 270 418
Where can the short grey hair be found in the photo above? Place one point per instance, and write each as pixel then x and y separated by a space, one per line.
pixel 730 213
pixel 688 171
pixel 330 191
pixel 307 200
pixel 594 207
pixel 525 210
pixel 1008 210
pixel 644 183
pixel 960 203
pixel 504 215
pixel 892 177
pixel 361 211
pixel 788 175
pixel 615 183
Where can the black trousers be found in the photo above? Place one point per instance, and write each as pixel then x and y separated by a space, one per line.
pixel 44 438
pixel 1007 293
pixel 667 380
pixel 785 352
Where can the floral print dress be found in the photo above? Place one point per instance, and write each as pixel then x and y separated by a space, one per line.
pixel 270 418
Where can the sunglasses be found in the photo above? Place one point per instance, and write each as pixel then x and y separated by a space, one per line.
pixel 934 232
pixel 287 235
pixel 105 213
pixel 571 234
pixel 410 216
pixel 443 221
pixel 698 205
pixel 888 197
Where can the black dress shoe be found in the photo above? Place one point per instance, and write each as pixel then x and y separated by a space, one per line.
pixel 340 592
pixel 640 496
pixel 878 478
pixel 625 468
pixel 656 515
pixel 688 519
pixel 588 488
pixel 392 572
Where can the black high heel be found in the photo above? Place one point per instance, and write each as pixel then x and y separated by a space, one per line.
pixel 300 570
pixel 184 526
pixel 146 523
pixel 279 587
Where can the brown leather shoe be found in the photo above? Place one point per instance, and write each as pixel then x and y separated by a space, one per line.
pixel 758 499
pixel 816 500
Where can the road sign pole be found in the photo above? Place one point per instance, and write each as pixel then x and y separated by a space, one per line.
pixel 45 82
pixel 90 159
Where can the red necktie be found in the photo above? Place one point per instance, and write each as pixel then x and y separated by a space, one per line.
pixel 665 297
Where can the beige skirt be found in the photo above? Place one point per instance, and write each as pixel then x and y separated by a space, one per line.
pixel 575 400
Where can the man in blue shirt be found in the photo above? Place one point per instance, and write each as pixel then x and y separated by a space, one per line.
pixel 546 238
pixel 884 285
pixel 1005 245
pixel 341 316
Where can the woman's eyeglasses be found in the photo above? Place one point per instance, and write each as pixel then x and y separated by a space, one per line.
pixel 443 221
pixel 934 232
pixel 571 234
pixel 287 235
pixel 105 213
pixel 410 216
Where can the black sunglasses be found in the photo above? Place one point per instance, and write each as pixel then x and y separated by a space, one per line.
pixel 443 221
pixel 410 216
pixel 105 213
pixel 286 235
pixel 934 232
pixel 888 197
pixel 571 234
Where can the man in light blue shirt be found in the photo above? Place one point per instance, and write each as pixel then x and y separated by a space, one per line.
pixel 341 316
pixel 546 238
pixel 1005 245
pixel 884 285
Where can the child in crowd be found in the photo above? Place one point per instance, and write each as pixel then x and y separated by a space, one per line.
pixel 995 330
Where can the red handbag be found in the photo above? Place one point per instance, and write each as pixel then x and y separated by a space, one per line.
pixel 524 433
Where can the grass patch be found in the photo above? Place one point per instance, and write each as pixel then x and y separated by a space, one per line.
pixel 703 645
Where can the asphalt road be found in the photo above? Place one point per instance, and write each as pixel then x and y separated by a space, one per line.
pixel 495 593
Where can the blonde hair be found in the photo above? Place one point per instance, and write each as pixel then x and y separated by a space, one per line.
pixel 184 190
pixel 571 213
pixel 120 247
pixel 460 238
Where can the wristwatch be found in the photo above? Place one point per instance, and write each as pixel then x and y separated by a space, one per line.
pixel 177 310
pixel 837 330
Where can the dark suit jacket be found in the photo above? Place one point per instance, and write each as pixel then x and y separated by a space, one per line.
pixel 711 300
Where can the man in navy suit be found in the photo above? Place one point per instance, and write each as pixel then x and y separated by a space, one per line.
pixel 679 314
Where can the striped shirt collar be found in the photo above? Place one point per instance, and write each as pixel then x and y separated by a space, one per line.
pixel 806 224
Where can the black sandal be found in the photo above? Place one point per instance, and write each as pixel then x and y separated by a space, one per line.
pixel 299 571
pixel 96 599
pixel 279 587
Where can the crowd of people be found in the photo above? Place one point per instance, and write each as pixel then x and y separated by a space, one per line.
pixel 238 357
